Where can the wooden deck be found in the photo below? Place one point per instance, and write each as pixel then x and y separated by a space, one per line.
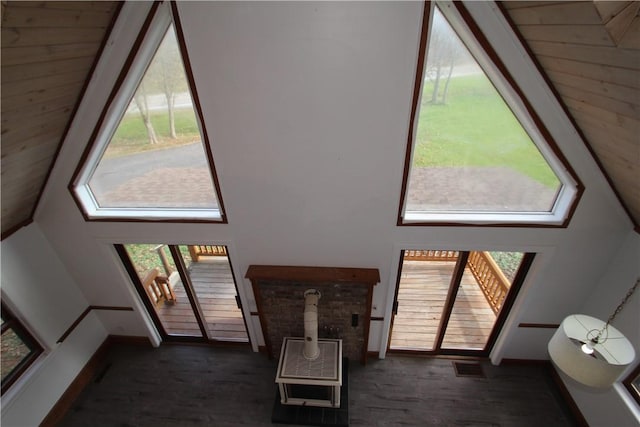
pixel 421 298
pixel 214 286
pixel 423 290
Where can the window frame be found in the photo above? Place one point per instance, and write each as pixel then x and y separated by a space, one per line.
pixel 10 321
pixel 628 384
pixel 160 19
pixel 571 188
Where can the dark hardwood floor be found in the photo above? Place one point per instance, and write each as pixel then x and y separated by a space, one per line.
pixel 222 386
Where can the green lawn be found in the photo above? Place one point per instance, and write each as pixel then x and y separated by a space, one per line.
pixel 132 130
pixel 509 262
pixel 131 135
pixel 476 128
pixel 144 257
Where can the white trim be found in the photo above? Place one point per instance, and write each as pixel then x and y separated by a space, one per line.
pixel 627 399
pixel 161 23
pixel 118 106
pixel 26 377
pixel 241 289
pixel 94 211
pixel 543 254
pixel 419 101
pixel 152 332
pixel 46 347
pixel 490 218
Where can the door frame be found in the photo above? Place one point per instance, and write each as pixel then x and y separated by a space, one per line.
pixel 516 285
pixel 191 295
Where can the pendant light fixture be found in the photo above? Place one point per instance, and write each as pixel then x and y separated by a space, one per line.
pixel 591 351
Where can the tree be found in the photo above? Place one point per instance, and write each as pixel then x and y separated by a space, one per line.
pixel 446 85
pixel 141 100
pixel 169 74
pixel 444 52
pixel 166 77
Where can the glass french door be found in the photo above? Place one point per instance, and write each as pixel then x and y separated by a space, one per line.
pixel 189 290
pixel 454 302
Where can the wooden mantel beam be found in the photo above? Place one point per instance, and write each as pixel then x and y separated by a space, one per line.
pixel 313 274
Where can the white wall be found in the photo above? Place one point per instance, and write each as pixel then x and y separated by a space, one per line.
pixel 36 285
pixel 307 106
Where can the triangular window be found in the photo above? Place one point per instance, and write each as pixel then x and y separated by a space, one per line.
pixel 476 155
pixel 150 158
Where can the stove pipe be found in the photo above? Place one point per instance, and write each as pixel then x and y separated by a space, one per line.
pixel 311 350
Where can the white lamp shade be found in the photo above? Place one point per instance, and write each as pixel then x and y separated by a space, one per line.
pixel 604 366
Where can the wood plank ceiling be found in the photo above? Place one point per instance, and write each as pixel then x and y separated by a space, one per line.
pixel 48 49
pixel 590 51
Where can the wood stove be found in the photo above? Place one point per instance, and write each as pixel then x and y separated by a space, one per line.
pixel 307 382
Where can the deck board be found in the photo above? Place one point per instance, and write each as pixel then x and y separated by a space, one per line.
pixel 424 286
pixel 213 282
